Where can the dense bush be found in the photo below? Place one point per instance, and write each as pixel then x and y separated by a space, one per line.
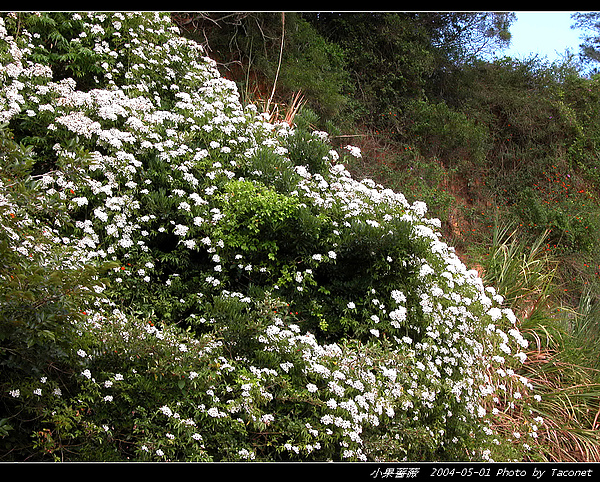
pixel 440 132
pixel 260 303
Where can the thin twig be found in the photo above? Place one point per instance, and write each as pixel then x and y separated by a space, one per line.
pixel 280 56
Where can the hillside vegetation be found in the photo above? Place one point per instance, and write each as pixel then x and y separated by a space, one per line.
pixel 255 237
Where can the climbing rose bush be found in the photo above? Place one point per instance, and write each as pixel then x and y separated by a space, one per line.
pixel 244 297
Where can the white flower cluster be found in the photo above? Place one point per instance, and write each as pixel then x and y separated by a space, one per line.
pixel 353 395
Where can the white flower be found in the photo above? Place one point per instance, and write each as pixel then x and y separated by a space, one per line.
pixel 327 419
pixel 80 201
pixel 267 418
pixel 166 411
pixel 180 230
pixel 495 313
pixel 112 230
pixel 389 373
pixel 355 151
pixel 398 296
pixel 311 387
pixel 398 315
pixel 420 208
pixel 425 270
pixel 213 412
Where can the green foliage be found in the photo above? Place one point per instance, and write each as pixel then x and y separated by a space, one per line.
pixel 572 226
pixel 315 67
pixel 256 218
pixel 443 133
pixel 69 59
pixel 388 54
pixel 43 294
pixel 252 42
pixel 305 150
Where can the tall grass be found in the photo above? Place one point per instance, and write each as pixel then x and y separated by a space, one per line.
pixel 522 273
pixel 563 361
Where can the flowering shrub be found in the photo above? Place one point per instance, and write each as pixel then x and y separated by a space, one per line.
pixel 260 303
